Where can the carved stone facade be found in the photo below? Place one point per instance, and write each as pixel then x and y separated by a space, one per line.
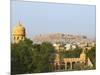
pixel 68 63
pixel 71 63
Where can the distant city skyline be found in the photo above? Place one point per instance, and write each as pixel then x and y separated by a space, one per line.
pixel 40 18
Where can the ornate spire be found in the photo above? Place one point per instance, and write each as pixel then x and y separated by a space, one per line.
pixel 19 23
pixel 83 51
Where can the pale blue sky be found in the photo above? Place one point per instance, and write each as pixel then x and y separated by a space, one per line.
pixel 40 17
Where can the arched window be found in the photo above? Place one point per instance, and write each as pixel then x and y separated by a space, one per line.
pixel 62 65
pixel 22 37
pixel 17 38
pixel 14 38
pixel 68 65
pixel 73 65
pixel 57 67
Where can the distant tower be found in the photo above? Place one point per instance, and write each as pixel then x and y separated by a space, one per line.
pixel 18 33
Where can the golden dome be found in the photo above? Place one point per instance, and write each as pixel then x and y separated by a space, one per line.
pixel 18 29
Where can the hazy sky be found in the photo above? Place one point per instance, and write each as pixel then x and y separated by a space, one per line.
pixel 51 18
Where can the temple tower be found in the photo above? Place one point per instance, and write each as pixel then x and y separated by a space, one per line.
pixel 18 33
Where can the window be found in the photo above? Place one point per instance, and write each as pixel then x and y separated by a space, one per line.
pixel 14 38
pixel 17 38
pixel 68 65
pixel 73 65
pixel 57 67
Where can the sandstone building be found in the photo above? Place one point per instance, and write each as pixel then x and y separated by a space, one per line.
pixel 18 33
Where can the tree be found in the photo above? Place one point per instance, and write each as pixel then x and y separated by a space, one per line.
pixel 27 57
pixel 92 55
pixel 21 57
pixel 44 54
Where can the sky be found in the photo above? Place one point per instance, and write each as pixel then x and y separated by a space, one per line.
pixel 40 17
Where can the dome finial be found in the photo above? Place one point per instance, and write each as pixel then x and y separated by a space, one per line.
pixel 19 23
